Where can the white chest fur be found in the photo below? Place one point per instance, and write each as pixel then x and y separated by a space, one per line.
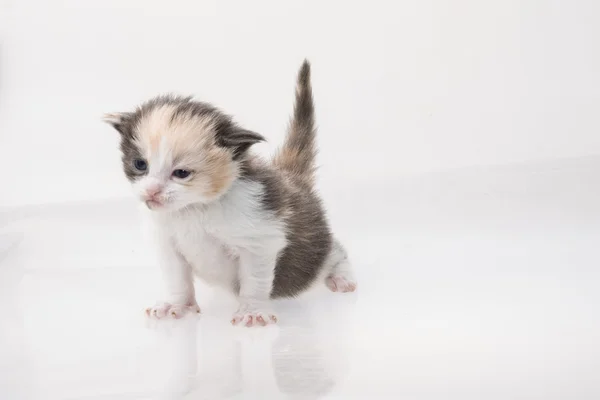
pixel 211 237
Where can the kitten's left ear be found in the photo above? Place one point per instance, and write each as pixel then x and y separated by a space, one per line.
pixel 117 120
pixel 240 140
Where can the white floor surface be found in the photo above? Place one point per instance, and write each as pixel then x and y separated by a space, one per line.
pixel 480 283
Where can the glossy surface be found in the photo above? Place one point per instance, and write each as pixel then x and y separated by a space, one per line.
pixel 473 284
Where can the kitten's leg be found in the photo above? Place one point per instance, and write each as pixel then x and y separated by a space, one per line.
pixel 256 274
pixel 339 277
pixel 178 282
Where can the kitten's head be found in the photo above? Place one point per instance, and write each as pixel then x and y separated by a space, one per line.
pixel 178 152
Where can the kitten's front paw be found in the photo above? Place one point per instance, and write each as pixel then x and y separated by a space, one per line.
pixel 168 310
pixel 248 317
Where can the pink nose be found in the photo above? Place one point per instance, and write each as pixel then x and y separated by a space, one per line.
pixel 153 191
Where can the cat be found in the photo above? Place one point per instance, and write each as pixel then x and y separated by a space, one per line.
pixel 254 227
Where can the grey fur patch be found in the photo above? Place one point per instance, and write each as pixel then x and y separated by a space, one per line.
pixel 307 229
pixel 124 123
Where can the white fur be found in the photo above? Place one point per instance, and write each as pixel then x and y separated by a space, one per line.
pixel 232 242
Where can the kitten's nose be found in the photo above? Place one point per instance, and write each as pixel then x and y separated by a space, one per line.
pixel 153 191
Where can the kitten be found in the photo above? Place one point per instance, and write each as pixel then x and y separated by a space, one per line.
pixel 256 228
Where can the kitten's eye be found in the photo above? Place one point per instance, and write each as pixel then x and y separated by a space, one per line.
pixel 140 165
pixel 181 173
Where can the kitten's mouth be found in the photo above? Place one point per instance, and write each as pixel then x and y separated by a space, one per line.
pixel 153 204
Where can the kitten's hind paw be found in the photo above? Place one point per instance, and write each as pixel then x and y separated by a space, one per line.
pixel 339 283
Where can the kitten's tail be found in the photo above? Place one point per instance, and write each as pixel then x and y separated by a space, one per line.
pixel 298 152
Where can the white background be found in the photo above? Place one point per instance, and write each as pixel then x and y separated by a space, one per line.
pixel 460 152
pixel 401 87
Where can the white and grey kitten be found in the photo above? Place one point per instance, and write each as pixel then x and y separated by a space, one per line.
pixel 256 228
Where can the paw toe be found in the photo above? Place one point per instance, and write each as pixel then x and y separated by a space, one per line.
pixel 254 319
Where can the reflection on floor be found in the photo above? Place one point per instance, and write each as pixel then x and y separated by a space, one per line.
pixel 479 283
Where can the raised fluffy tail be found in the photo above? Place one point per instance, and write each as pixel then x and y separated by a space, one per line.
pixel 297 155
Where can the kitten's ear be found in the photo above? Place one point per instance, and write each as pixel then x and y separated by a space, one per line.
pixel 240 140
pixel 117 120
